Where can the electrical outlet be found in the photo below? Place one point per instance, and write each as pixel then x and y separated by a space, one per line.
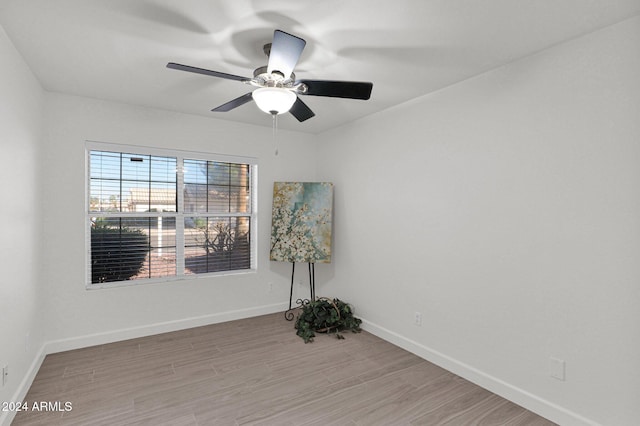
pixel 5 375
pixel 557 368
pixel 417 318
pixel 270 287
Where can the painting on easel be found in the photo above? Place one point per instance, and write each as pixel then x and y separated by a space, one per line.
pixel 301 222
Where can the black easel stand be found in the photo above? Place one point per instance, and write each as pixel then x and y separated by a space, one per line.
pixel 288 315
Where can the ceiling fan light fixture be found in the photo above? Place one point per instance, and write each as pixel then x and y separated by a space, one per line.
pixel 277 90
pixel 274 100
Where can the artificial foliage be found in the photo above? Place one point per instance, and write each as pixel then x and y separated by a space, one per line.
pixel 326 315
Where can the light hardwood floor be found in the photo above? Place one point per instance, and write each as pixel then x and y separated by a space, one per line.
pixel 257 371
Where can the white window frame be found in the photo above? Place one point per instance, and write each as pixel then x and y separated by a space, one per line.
pixel 179 215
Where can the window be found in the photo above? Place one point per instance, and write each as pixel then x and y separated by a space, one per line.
pixel 141 227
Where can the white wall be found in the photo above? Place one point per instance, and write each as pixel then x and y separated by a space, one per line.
pixel 21 103
pixel 505 209
pixel 76 316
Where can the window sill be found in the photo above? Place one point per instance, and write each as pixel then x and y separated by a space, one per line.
pixel 135 283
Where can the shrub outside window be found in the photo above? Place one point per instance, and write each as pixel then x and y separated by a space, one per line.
pixel 157 215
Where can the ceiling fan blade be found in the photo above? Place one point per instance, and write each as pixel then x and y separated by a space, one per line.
pixel 301 111
pixel 338 89
pixel 197 70
pixel 234 103
pixel 285 52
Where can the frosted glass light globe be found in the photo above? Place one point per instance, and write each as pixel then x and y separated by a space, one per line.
pixel 274 100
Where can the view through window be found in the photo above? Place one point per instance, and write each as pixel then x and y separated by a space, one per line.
pixel 142 227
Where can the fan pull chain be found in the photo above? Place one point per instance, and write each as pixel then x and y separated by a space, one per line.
pixel 275 131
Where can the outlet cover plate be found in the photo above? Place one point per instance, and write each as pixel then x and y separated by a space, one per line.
pixel 557 368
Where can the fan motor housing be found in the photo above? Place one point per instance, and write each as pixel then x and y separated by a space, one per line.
pixel 273 79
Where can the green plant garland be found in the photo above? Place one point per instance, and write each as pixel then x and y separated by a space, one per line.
pixel 326 316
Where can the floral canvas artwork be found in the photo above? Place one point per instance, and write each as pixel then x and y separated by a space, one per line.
pixel 301 222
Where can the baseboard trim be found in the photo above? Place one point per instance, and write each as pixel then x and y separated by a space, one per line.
pixel 540 406
pixel 6 417
pixel 157 328
pixel 545 408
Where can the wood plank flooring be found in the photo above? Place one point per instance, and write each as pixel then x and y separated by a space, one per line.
pixel 256 371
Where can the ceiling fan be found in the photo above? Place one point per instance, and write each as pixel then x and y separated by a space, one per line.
pixel 278 88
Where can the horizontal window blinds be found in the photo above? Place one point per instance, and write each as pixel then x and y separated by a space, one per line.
pixel 155 216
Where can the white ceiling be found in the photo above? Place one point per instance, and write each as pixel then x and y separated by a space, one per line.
pixel 118 49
